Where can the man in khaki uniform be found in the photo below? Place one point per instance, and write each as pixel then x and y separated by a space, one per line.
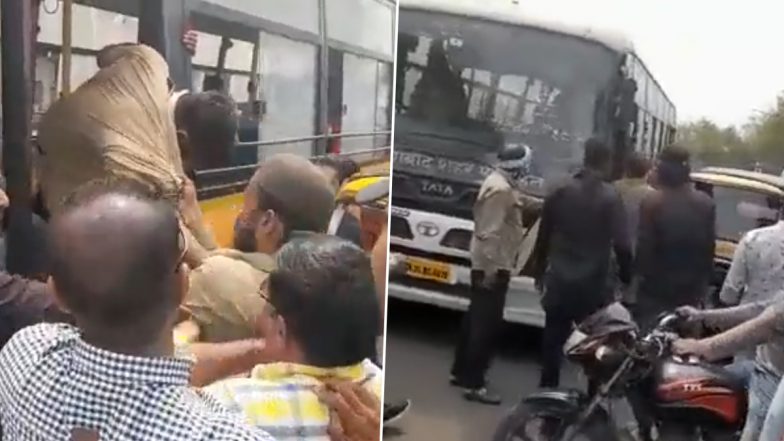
pixel 287 195
pixel 633 188
pixel 498 237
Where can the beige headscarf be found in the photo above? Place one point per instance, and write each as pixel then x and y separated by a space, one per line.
pixel 118 123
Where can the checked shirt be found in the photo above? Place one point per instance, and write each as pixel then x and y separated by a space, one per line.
pixel 52 382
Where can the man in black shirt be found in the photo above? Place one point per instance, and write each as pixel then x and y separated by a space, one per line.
pixel 675 241
pixel 206 130
pixel 582 221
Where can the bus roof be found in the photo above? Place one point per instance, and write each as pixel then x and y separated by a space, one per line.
pixel 510 13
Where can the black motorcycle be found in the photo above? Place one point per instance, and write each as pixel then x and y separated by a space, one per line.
pixel 678 398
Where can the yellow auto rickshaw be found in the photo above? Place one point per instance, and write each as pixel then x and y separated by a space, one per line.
pixel 744 201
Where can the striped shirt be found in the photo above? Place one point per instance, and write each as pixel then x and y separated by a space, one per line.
pixel 279 399
pixel 52 383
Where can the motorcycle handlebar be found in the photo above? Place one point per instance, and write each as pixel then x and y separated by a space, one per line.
pixel 668 321
pixel 658 340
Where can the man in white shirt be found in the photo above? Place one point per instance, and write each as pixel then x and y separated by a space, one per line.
pixel 757 270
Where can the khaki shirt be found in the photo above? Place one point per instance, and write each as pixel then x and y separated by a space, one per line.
pixel 633 191
pixel 498 225
pixel 223 298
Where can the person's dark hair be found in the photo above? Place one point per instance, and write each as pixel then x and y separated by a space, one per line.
pixel 209 118
pixel 328 161
pixel 675 154
pixel 637 166
pixel 212 83
pixel 347 168
pixel 114 265
pixel 344 167
pixel 597 154
pixel 673 168
pixel 323 288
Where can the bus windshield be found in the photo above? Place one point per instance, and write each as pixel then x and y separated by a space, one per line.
pixel 469 86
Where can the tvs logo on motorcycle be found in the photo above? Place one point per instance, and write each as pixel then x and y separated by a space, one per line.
pixel 692 387
pixel 440 189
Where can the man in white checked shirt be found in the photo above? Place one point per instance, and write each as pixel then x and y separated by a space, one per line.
pixel 117 267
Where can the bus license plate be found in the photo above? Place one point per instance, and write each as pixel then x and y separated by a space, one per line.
pixel 429 270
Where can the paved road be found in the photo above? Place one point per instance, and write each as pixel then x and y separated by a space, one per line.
pixel 420 341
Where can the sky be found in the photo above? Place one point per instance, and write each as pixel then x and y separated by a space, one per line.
pixel 718 59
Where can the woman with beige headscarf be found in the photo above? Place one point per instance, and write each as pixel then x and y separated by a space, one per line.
pixel 120 124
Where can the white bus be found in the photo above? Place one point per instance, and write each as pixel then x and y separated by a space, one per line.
pixel 473 77
pixel 318 66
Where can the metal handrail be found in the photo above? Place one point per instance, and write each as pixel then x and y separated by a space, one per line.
pixel 250 167
pixel 312 138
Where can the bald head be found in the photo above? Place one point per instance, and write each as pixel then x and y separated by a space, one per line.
pixel 115 256
pixel 295 188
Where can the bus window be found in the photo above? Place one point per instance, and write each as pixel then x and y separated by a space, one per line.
pixel 383 99
pixel 359 100
pixel 222 64
pixel 288 71
pixel 655 137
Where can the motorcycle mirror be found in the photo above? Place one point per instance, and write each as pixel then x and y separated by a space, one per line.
pixel 668 321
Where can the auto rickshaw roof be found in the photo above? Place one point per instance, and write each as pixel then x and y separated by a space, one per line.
pixel 738 178
pixel 358 183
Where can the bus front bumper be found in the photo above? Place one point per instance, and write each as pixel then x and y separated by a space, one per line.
pixel 522 300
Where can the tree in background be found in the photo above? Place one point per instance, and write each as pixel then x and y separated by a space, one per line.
pixel 766 134
pixel 760 142
pixel 714 145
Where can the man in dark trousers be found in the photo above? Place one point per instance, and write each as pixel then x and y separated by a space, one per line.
pixel 582 221
pixel 675 242
pixel 498 236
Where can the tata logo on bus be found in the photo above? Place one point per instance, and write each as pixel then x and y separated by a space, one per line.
pixel 435 188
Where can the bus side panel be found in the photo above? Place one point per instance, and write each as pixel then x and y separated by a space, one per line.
pixel 220 214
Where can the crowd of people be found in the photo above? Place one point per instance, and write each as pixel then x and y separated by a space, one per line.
pixel 648 241
pixel 143 328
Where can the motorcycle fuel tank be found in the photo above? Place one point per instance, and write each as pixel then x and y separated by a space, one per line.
pixel 699 391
